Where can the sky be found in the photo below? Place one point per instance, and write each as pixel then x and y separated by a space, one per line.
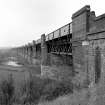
pixel 22 21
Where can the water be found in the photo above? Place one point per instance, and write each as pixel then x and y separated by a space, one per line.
pixel 13 63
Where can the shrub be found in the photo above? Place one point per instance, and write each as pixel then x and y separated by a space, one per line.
pixel 36 89
pixel 56 89
pixel 7 91
pixel 31 89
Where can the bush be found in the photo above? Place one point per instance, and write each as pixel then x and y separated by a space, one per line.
pixel 33 90
pixel 56 89
pixel 7 91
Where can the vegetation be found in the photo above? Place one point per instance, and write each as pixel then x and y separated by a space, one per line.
pixel 7 91
pixel 32 90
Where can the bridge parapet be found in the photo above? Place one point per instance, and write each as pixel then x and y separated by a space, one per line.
pixel 62 31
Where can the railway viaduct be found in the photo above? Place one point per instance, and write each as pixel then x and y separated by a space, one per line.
pixel 75 51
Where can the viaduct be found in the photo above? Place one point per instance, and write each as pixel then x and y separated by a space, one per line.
pixel 75 51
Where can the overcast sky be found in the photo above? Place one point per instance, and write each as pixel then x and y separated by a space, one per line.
pixel 22 21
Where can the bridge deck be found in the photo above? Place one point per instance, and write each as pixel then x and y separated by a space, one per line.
pixel 62 31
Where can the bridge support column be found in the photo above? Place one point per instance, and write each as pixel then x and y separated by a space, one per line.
pixel 44 54
pixel 34 53
pixel 80 27
pixel 29 53
pixel 34 49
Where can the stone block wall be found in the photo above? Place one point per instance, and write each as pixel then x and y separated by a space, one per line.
pixel 96 67
pixel 89 53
